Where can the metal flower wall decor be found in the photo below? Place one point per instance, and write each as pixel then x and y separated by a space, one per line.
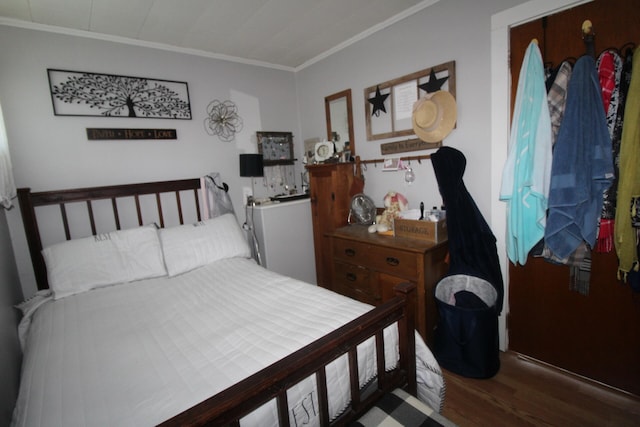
pixel 223 120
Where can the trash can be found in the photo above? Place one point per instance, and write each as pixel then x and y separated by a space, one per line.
pixel 466 338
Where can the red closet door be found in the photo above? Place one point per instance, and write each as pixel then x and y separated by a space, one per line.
pixel 598 335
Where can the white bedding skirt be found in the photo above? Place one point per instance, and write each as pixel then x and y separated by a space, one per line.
pixel 137 354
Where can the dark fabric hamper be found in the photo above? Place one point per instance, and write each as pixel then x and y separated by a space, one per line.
pixel 466 338
pixel 470 297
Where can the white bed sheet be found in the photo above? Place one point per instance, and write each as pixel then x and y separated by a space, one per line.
pixel 136 354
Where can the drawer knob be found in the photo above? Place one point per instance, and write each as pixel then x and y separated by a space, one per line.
pixel 350 252
pixel 351 277
pixel 393 261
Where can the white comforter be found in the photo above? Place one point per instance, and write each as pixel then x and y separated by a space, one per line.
pixel 136 354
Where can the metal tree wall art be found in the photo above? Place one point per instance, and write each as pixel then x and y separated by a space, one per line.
pixel 223 120
pixel 93 94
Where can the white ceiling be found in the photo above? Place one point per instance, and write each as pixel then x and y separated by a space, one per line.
pixel 284 33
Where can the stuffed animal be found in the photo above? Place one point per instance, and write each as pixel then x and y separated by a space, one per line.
pixel 394 203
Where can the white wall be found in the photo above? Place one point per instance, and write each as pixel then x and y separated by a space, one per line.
pixel 50 152
pixel 457 30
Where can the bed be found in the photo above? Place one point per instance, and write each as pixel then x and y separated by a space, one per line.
pixel 175 324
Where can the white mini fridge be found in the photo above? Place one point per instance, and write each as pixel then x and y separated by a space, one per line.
pixel 285 237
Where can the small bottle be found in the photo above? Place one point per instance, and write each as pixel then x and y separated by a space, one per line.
pixel 433 214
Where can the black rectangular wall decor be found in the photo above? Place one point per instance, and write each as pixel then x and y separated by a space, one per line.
pixel 94 134
pixel 78 93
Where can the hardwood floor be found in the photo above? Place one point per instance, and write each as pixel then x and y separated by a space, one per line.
pixel 528 393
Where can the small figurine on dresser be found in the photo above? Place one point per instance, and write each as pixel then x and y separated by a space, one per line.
pixel 394 203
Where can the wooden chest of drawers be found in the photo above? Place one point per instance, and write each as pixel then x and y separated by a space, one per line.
pixel 367 266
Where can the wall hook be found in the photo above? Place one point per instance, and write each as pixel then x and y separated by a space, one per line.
pixel 588 35
pixel 587 28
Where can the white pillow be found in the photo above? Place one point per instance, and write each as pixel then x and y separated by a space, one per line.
pixel 190 246
pixel 121 256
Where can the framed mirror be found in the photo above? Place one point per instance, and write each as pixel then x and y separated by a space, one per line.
pixel 340 123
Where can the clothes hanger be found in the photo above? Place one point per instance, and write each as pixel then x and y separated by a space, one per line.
pixel 589 35
pixel 627 48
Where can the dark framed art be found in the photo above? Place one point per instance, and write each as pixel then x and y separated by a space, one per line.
pixel 276 147
pixel 79 93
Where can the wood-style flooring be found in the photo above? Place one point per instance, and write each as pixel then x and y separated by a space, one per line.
pixel 529 393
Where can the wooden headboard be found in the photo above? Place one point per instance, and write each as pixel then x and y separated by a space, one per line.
pixel 29 201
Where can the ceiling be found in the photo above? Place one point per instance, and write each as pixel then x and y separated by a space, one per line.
pixel 281 33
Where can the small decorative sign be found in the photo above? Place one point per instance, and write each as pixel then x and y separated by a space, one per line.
pixel 103 133
pixel 407 145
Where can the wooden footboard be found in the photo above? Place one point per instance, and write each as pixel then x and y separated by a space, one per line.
pixel 228 406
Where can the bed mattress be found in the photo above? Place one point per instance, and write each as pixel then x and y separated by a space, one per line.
pixel 139 353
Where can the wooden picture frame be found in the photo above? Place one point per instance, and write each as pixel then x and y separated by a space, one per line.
pixel 403 92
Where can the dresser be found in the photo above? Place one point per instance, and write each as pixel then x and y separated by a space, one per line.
pixel 366 266
pixel 329 187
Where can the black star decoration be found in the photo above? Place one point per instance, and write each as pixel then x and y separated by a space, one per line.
pixel 378 102
pixel 434 84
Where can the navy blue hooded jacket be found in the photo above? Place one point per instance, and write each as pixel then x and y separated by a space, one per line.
pixel 472 245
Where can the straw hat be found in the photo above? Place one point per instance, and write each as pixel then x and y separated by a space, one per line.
pixel 434 116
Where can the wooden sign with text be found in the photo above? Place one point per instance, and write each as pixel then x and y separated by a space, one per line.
pixel 407 145
pixel 102 133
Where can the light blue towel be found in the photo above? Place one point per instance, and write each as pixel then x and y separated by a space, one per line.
pixel 526 175
pixel 582 165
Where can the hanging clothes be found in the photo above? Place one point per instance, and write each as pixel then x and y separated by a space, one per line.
pixel 609 65
pixel 629 181
pixel 7 184
pixel 582 165
pixel 215 196
pixel 557 98
pixel 525 178
pixel 472 245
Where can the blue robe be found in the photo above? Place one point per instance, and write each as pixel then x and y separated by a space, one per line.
pixel 582 166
